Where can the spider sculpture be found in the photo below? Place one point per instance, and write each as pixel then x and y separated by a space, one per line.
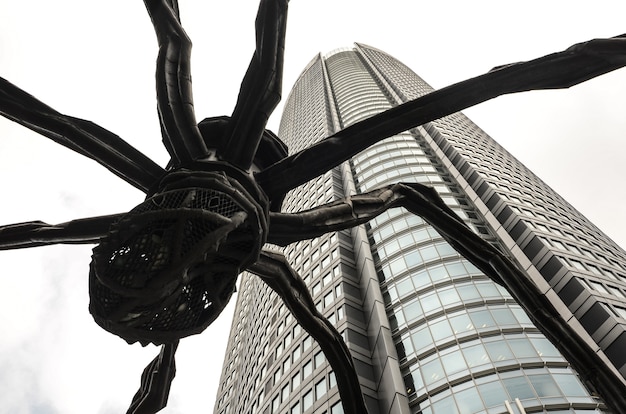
pixel 167 268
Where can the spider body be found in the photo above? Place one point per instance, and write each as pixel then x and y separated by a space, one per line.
pixel 167 268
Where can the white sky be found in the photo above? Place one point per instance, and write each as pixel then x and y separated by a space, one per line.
pixel 95 60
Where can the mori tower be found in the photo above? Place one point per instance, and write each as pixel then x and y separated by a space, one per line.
pixel 429 333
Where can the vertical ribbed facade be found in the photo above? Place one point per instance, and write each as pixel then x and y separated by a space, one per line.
pixel 428 331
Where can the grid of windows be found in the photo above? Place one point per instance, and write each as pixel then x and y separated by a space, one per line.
pixel 463 344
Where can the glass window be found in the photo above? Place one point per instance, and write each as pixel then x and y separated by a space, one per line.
pixel 522 348
pixel 493 393
pixel 307 369
pixel 453 362
pixel 544 347
pixel 306 344
pixel 307 400
pixel 295 381
pixel 469 401
pixel 440 330
pixel 413 259
pixel 338 290
pixel 445 405
pixel 336 409
pixel 275 404
pixel 332 380
pixel 422 338
pixel 544 385
pixel 320 389
pixel 285 393
pixel 498 351
pixel 295 409
pixel 476 355
pixel 432 371
pixel 430 302
pixel 468 293
pixel 405 287
pixel 413 310
pixel 461 323
pixel 328 299
pixel 570 385
pixel 319 359
pixel 620 311
pixel 429 253
pixel 503 317
pixel 455 269
pixel 518 387
pixel 449 296
pixel 481 319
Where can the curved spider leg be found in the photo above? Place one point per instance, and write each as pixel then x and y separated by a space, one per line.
pixel 79 135
pixel 156 381
pixel 426 203
pixel 38 233
pixel 274 270
pixel 577 64
pixel 179 129
pixel 261 86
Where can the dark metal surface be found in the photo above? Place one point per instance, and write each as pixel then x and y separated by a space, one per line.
pixel 143 278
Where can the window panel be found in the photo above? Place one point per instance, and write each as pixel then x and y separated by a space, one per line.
pixel 518 387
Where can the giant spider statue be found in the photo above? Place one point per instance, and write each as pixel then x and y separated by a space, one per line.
pixel 167 268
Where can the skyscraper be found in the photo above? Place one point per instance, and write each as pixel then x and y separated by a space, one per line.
pixel 429 332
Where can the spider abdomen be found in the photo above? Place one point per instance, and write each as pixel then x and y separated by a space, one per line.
pixel 168 267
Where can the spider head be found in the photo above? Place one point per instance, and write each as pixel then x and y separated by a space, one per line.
pixel 168 268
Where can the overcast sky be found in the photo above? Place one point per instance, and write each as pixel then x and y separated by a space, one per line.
pixel 95 60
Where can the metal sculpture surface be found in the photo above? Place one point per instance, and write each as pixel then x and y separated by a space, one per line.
pixel 167 268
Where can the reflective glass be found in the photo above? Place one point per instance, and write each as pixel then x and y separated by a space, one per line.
pixel 449 296
pixel 453 362
pixel 476 355
pixel 405 287
pixel 441 330
pixel 447 405
pixel 498 351
pixel 469 401
pixel 522 348
pixel 413 310
pixel 320 389
pixel 503 317
pixel 461 323
pixel 307 400
pixel 518 387
pixel 430 302
pixel 468 293
pixel 432 371
pixel 570 385
pixel 544 385
pixel 482 319
pixel 422 339
pixel 493 393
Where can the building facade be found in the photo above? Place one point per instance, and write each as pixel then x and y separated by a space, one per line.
pixel 428 331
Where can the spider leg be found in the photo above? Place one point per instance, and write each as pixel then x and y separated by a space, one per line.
pixel 274 270
pixel 181 135
pixel 577 64
pixel 156 381
pixel 426 203
pixel 261 86
pixel 79 135
pixel 38 233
